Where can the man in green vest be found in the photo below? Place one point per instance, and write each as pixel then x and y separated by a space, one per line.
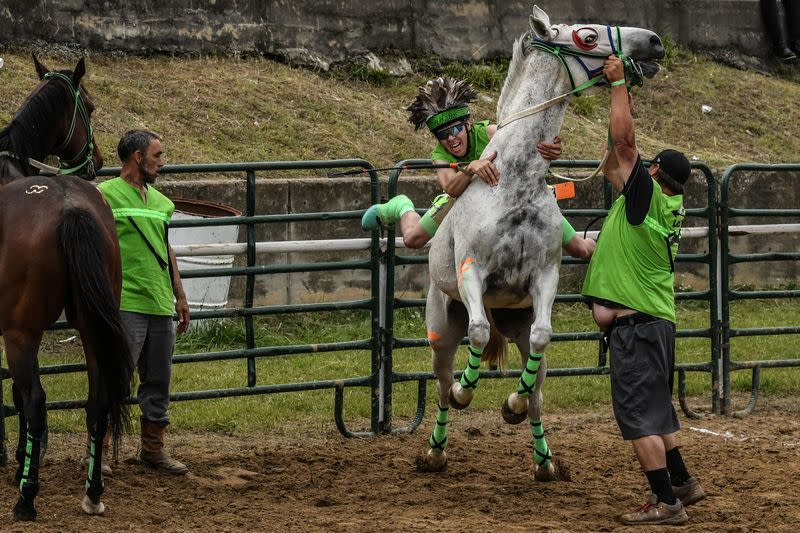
pixel 630 286
pixel 150 280
pixel 442 106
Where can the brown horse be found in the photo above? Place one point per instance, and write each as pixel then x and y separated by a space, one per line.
pixel 59 252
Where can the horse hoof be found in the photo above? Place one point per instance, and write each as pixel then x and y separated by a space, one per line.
pixel 433 461
pixel 510 416
pixel 91 508
pixel 24 511
pixel 555 470
pixel 460 398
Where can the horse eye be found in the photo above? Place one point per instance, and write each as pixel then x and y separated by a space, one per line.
pixel 591 38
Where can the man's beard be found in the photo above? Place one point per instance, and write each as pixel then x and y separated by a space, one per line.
pixel 149 177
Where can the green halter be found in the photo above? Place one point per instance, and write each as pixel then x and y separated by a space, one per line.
pixel 79 161
pixel 633 73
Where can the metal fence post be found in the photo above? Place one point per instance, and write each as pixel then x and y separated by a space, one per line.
pixel 250 337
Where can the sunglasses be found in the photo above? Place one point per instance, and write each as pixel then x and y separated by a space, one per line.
pixel 444 133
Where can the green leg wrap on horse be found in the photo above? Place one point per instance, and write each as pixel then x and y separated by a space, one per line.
pixel 528 377
pixel 29 484
pixel 438 439
pixel 431 220
pixel 469 380
pixel 541 452
pixel 91 465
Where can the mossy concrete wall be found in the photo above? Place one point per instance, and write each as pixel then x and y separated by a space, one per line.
pixel 322 31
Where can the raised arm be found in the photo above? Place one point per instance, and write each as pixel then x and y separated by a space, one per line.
pixel 624 153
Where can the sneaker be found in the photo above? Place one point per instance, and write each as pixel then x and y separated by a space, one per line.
pixel 655 512
pixel 370 220
pixel 690 492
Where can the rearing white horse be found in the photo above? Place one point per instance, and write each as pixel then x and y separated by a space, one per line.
pixel 495 259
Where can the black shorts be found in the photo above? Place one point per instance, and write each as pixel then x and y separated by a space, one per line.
pixel 642 370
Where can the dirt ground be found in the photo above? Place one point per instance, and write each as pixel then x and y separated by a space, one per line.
pixel 749 467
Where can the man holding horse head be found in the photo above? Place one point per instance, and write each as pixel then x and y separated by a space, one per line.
pixel 442 105
pixel 150 280
pixel 629 284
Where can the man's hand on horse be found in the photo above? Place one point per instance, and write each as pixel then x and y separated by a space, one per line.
pixel 614 69
pixel 550 151
pixel 485 169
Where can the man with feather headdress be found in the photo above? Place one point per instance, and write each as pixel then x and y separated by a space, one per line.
pixel 442 105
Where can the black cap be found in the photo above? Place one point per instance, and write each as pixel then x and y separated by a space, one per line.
pixel 675 164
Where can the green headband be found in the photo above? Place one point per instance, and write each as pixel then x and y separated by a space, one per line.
pixel 448 115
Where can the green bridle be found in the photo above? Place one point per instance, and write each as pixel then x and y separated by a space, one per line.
pixel 80 161
pixel 633 73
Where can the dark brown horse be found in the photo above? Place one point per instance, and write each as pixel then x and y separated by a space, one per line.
pixel 59 252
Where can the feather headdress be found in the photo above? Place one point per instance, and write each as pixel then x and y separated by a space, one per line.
pixel 440 101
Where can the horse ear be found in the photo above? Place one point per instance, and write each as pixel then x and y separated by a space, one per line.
pixel 540 24
pixel 80 70
pixel 41 70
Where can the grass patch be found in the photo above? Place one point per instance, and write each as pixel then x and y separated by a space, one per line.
pixel 219 109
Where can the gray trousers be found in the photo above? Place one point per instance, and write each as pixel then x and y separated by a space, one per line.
pixel 151 339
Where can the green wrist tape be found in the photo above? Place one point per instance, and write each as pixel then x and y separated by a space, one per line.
pixel 469 380
pixel 618 82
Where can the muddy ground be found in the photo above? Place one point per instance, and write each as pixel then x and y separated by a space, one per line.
pixel 749 467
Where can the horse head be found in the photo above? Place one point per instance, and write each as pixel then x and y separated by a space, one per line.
pixel 564 59
pixel 584 47
pixel 70 134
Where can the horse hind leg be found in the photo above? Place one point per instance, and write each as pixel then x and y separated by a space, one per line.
pixel 22 350
pixel 471 287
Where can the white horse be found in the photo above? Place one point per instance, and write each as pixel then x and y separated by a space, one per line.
pixel 494 261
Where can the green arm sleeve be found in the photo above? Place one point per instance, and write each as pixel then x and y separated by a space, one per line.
pixel 567 232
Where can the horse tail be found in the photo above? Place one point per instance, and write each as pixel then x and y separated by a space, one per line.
pixel 89 292
pixel 496 351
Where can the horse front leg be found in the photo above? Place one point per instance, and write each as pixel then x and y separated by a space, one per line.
pixel 445 330
pixel 471 287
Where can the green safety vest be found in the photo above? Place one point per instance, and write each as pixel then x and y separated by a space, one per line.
pixel 632 265
pixel 146 286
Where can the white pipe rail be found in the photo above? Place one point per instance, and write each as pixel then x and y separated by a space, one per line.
pixel 342 245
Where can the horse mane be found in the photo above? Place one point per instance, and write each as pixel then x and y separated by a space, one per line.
pixel 25 134
pixel 515 70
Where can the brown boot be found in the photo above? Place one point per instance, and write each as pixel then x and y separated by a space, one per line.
pixel 153 454
pixel 105 465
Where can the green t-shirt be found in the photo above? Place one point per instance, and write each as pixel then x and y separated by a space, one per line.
pixel 632 264
pixel 146 286
pixel 478 139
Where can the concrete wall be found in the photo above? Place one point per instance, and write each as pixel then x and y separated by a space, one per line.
pixel 276 195
pixel 321 31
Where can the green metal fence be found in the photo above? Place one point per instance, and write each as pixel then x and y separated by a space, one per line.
pixel 706 214
pixel 383 302
pixel 729 294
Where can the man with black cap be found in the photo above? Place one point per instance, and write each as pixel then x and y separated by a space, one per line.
pixel 629 284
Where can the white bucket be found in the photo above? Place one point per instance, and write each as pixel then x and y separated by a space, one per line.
pixel 204 293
